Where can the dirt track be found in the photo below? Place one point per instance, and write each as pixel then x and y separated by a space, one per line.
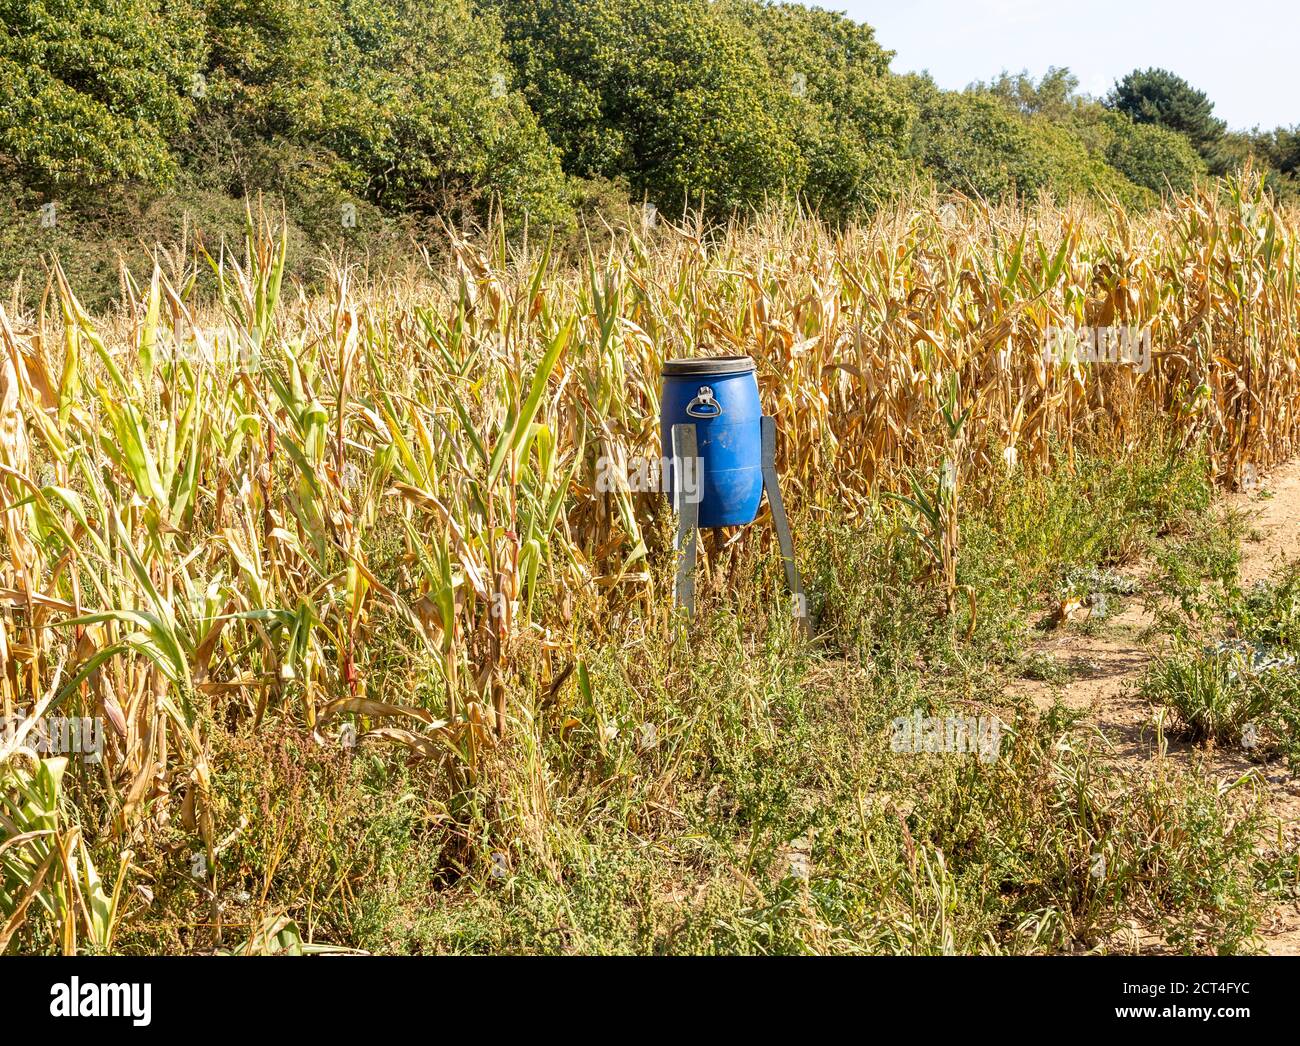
pixel 1108 666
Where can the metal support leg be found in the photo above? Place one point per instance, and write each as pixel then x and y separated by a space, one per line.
pixel 782 523
pixel 686 503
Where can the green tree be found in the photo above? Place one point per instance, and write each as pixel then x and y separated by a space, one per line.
pixel 433 117
pixel 972 142
pixel 414 98
pixel 1279 148
pixel 93 91
pixel 1152 156
pixel 269 61
pixel 1054 96
pixel 669 94
pixel 848 115
pixel 1157 96
pixel 1275 153
pixel 1091 149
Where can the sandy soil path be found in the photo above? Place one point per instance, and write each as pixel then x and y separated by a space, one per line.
pixel 1106 668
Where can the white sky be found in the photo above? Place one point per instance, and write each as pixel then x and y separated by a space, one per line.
pixel 1244 54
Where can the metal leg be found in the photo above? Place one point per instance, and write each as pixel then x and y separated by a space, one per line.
pixel 686 503
pixel 782 523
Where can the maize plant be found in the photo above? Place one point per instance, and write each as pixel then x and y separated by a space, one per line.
pixel 44 861
pixel 232 501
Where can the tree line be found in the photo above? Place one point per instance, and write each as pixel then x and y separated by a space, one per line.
pixel 118 117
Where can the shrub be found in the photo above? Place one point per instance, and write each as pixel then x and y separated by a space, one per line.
pixel 851 121
pixel 92 92
pixel 1152 156
pixel 424 121
pixel 973 143
pixel 1214 697
pixel 669 93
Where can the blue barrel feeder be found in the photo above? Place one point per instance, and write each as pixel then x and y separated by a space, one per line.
pixel 719 396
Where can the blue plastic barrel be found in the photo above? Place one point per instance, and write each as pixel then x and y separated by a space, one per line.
pixel 719 396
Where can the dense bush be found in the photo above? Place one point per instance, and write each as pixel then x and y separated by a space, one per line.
pixel 423 121
pixel 1153 156
pixel 973 143
pixel 671 94
pixel 849 117
pixel 92 91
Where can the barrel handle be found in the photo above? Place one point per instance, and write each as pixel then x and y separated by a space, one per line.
pixel 704 405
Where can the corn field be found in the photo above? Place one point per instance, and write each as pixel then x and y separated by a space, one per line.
pixel 231 507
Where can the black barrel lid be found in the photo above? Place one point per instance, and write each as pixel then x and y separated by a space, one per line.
pixel 707 366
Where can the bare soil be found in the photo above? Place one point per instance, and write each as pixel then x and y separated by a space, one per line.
pixel 1107 666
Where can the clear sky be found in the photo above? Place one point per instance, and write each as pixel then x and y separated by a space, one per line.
pixel 1244 54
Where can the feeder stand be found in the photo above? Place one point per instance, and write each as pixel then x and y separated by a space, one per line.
pixel 686 448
